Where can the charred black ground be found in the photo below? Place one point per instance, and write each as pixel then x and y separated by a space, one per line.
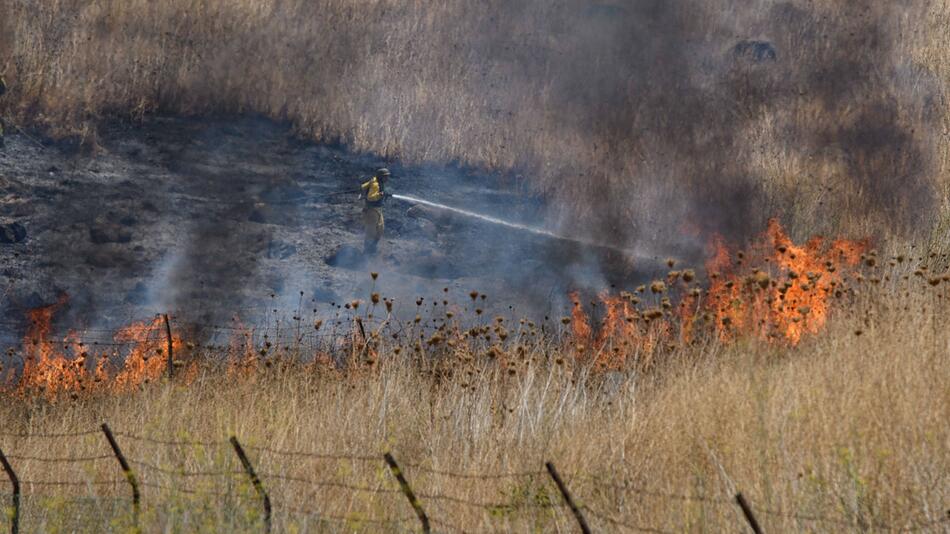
pixel 211 219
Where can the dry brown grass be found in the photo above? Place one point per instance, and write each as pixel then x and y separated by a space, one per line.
pixel 849 427
pixel 637 117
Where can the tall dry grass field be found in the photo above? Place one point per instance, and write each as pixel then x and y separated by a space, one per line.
pixel 845 432
pixel 632 119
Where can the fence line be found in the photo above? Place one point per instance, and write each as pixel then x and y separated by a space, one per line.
pixel 316 455
pixel 418 499
pixel 173 443
pixel 183 473
pixel 328 484
pixel 475 476
pixel 653 493
pixel 49 436
pixel 72 483
pixel 617 523
pixel 344 519
pixel 70 459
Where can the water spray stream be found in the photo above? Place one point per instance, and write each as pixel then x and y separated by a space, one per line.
pixel 516 226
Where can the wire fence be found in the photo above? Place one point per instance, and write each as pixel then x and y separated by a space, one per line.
pixel 227 483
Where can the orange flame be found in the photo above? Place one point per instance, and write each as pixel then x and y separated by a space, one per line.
pixel 51 368
pixel 242 360
pixel 788 295
pixel 776 290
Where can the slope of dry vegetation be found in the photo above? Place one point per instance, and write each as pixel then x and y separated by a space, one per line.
pixel 643 130
pixel 845 432
pixel 639 113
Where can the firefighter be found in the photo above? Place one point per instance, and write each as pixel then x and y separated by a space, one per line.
pixel 373 193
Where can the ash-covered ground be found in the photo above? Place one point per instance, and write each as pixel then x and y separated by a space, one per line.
pixel 212 219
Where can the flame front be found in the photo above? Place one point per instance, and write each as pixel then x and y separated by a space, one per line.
pixel 51 368
pixel 776 290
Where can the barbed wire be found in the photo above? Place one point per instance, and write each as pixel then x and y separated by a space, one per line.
pixel 65 459
pixel 184 473
pixel 73 483
pixel 473 476
pixel 486 505
pixel 50 435
pixel 171 443
pixel 345 519
pixel 618 523
pixel 182 489
pixel 327 483
pixel 651 493
pixel 318 455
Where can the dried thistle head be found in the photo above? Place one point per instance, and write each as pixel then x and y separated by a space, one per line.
pixel 689 275
pixel 474 295
pixel 374 275
pixel 375 298
pixel 657 286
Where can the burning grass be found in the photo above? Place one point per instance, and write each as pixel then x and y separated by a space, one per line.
pixel 845 131
pixel 835 425
pixel 774 290
pixel 839 426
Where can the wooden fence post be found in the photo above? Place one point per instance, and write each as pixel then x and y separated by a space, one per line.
pixel 747 512
pixel 15 482
pixel 407 490
pixel 255 480
pixel 129 475
pixel 171 348
pixel 567 498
